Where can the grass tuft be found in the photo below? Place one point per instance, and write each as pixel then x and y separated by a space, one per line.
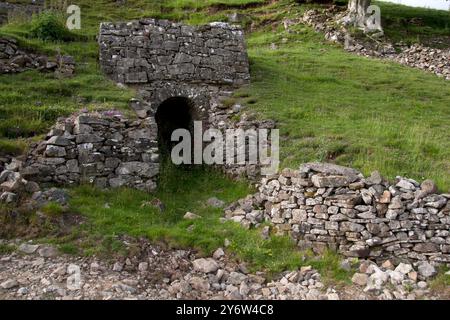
pixel 6 248
pixel 53 209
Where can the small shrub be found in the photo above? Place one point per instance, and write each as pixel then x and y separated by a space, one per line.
pixel 236 118
pixel 49 26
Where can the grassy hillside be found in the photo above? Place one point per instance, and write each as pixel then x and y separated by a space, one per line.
pixel 334 106
pixel 412 25
pixel 330 106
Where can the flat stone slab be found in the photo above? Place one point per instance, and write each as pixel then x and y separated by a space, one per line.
pixel 331 169
pixel 28 248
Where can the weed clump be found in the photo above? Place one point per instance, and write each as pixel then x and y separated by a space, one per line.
pixel 49 26
pixel 53 209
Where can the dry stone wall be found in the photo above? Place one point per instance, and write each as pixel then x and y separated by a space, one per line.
pixel 328 206
pixel 104 149
pixel 149 50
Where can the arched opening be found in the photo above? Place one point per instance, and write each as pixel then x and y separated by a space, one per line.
pixel 174 113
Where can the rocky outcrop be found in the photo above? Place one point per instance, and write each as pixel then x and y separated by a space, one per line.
pixel 105 149
pixel 324 205
pixel 13 59
pixel 149 50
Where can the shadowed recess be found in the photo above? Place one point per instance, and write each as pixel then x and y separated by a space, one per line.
pixel 174 113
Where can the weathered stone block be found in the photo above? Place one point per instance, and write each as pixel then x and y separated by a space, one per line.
pixel 55 151
pixel 330 181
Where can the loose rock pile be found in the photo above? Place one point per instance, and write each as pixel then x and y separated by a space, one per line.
pixel 428 59
pixel 15 60
pixel 416 56
pixel 405 280
pixel 12 183
pixel 325 205
pixel 37 271
pixel 14 189
pixel 104 149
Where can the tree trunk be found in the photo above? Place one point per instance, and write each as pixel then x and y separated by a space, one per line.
pixel 356 13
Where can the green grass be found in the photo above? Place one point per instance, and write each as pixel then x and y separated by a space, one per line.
pixel 40 99
pixel 411 25
pixel 53 209
pixel 330 105
pixel 181 190
pixel 334 106
pixel 441 283
pixel 329 265
pixel 12 146
pixel 69 248
pixel 111 214
pixel 6 248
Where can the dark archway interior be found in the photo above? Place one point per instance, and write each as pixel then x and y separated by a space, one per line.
pixel 174 113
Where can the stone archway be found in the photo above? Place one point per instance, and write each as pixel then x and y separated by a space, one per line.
pixel 153 96
pixel 172 114
pixel 177 81
pixel 167 62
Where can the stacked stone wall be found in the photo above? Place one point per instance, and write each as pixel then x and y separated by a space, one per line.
pixel 149 50
pixel 327 206
pixel 104 149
